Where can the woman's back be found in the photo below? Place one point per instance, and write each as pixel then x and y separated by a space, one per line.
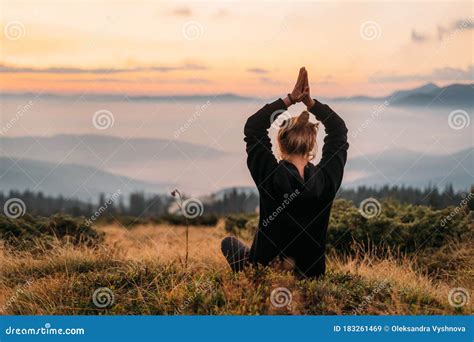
pixel 294 210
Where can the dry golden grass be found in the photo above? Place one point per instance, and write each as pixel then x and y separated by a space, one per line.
pixel 144 269
pixel 166 243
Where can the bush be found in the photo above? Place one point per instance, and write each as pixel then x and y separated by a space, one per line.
pixel 171 219
pixel 241 225
pixel 29 232
pixel 403 227
pixel 180 220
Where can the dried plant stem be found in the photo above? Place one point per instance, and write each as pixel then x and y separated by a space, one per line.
pixel 180 205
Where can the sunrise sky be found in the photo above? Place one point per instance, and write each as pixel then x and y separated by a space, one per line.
pixel 243 47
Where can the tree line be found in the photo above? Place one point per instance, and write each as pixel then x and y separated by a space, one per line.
pixel 430 196
pixel 139 204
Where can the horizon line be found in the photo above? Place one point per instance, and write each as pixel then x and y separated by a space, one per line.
pixel 119 96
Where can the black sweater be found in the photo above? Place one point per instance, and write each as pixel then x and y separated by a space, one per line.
pixel 294 213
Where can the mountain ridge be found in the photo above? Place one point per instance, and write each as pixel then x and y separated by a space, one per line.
pixel 66 179
pixel 96 150
pixel 77 181
pixel 427 94
pixel 440 164
pixel 456 93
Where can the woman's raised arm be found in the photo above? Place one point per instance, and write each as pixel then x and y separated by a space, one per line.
pixel 260 159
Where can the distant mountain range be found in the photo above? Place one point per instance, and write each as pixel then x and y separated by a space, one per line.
pixel 404 167
pixel 428 94
pixel 68 180
pixel 92 164
pixel 103 152
pixel 395 167
pixel 461 95
pixel 138 98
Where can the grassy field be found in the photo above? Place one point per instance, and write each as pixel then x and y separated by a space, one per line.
pixel 141 270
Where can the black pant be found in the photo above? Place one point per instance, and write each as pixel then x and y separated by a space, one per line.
pixel 236 253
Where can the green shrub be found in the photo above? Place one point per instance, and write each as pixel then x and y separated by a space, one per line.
pixel 180 220
pixel 171 219
pixel 404 227
pixel 30 232
pixel 241 225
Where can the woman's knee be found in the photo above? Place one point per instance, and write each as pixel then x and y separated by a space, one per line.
pixel 227 244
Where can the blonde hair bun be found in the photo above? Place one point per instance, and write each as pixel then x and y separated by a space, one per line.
pixel 303 118
pixel 298 136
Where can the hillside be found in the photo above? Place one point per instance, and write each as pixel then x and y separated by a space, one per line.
pixel 142 270
pixel 69 180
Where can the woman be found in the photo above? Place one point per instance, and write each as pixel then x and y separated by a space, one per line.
pixel 295 195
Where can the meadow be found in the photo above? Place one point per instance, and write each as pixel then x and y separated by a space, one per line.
pixel 406 260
